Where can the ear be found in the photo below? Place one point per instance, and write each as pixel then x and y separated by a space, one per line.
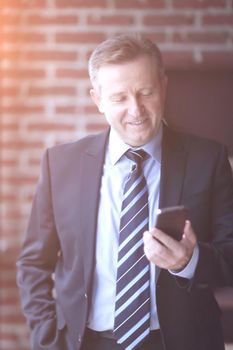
pixel 96 99
pixel 164 87
pixel 165 83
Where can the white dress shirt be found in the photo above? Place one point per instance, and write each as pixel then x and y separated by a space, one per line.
pixel 115 172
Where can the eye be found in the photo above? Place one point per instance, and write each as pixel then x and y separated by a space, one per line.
pixel 117 98
pixel 146 92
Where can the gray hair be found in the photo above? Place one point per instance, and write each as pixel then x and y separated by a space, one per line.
pixel 121 49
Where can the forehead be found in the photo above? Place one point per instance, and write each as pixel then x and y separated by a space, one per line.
pixel 138 72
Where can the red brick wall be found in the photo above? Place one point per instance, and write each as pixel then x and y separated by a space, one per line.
pixel 44 92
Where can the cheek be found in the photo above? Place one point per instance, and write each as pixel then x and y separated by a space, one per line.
pixel 156 107
pixel 117 113
pixel 114 116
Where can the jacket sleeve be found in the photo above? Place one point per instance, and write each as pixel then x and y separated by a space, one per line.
pixel 36 265
pixel 215 265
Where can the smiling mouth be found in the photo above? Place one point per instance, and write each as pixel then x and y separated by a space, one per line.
pixel 138 122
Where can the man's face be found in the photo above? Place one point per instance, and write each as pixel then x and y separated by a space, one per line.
pixel 131 96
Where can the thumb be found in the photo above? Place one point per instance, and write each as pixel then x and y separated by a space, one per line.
pixel 189 234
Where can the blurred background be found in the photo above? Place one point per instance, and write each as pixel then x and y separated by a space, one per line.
pixel 44 99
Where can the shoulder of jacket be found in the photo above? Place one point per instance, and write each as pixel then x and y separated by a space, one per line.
pixel 189 141
pixel 74 146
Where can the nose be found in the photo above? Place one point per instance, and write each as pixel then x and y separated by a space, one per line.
pixel 135 108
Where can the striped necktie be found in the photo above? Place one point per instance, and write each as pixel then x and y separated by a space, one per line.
pixel 132 308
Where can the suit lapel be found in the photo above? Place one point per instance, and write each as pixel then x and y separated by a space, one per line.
pixel 172 176
pixel 91 173
pixel 173 165
pixel 172 169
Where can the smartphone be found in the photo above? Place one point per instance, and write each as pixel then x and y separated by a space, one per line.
pixel 171 220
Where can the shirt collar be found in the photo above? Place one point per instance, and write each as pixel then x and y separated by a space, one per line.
pixel 116 147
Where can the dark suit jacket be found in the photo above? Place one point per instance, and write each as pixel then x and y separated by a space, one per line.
pixel 60 240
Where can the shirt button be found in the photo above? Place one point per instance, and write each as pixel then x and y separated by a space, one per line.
pixel 85 295
pixel 79 338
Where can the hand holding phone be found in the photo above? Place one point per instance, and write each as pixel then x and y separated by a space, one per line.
pixel 171 220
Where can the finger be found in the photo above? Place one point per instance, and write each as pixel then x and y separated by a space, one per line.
pixel 153 248
pixel 147 236
pixel 165 239
pixel 150 241
pixel 161 255
pixel 156 258
pixel 189 234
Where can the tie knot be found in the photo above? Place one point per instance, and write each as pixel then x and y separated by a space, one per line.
pixel 138 156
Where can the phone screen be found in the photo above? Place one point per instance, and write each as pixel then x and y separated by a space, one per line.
pixel 171 221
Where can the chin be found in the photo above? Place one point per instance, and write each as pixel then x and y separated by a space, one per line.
pixel 137 143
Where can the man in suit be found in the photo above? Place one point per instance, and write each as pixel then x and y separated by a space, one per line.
pixel 67 269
